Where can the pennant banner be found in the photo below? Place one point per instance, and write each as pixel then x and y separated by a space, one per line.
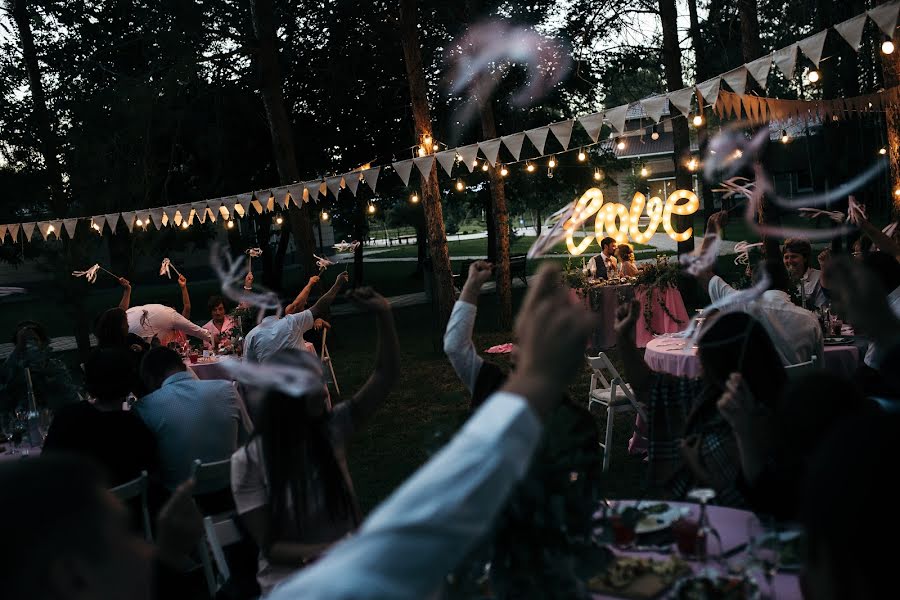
pixel 563 132
pixel 296 192
pixel 654 107
pixel 28 230
pixel 128 219
pixel 371 177
pixel 424 164
pixel 403 169
pixel 3 233
pixel 852 30
pixel 334 185
pixel 446 160
pixel 617 116
pixel 490 149
pixel 885 16
pixel 538 137
pixel 786 59
pixel 312 190
pixel 468 155
pixel 709 90
pixel 351 180
pixel 592 125
pixel 513 143
pixel 812 47
pixel 112 220
pixel 243 199
pixel 14 231
pixel 681 100
pixel 44 228
pixel 759 70
pixel 69 225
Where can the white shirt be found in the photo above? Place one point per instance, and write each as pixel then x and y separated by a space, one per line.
pixel 812 288
pixel 458 344
pixel 794 331
pixel 155 320
pixel 873 354
pixel 227 325
pixel 274 334
pixel 609 261
pixel 415 537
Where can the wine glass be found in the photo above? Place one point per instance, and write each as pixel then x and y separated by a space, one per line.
pixel 705 530
pixel 763 552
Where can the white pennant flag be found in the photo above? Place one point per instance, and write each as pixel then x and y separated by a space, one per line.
pixel 403 169
pixel 257 205
pixel 100 222
pixel 446 160
pixel 563 132
pixel 786 59
pixel 128 219
pixel 296 192
pixel 244 200
pixel 69 225
pixel 538 137
pixel 852 30
pixel 736 80
pixel 14 231
pixel 592 124
pixel 885 16
pixel 491 150
pixel 215 208
pixel 759 70
pixel 654 107
pixel 351 180
pixel 280 194
pixel 513 143
pixel 2 234
pixel 264 197
pixel 57 228
pixel 113 221
pixel 312 190
pixel 425 163
pixel 812 47
pixel 323 189
pixel 334 185
pixel 199 209
pixel 44 228
pixel 156 215
pixel 681 99
pixel 185 211
pixel 617 116
pixel 28 230
pixel 227 210
pixel 709 90
pixel 371 177
pixel 469 154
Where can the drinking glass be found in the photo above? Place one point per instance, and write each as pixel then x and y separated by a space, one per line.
pixel 763 554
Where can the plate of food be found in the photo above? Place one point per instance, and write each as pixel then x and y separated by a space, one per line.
pixel 720 587
pixel 638 577
pixel 836 341
pixel 655 516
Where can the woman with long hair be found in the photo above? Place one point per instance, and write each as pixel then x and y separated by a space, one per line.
pixel 291 484
pixel 627 267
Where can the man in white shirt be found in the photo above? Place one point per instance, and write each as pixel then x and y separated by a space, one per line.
pixel 603 266
pixel 274 334
pixel 796 255
pixel 162 322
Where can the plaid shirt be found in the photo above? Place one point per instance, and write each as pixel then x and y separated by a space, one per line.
pixel 682 410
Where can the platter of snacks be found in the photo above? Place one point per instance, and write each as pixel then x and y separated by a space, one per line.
pixel 638 577
pixel 715 587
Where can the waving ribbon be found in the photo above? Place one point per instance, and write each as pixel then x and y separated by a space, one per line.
pixel 322 263
pixel 252 253
pixel 346 246
pixel 91 273
pixel 164 268
pixel 743 252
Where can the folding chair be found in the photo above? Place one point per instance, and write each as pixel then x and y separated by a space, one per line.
pixel 132 489
pixel 327 367
pixel 219 532
pixel 798 370
pixel 610 390
pixel 208 478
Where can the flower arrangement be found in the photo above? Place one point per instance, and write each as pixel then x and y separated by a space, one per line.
pixel 655 277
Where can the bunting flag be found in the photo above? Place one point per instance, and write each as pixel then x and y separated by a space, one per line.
pixel 852 30
pixel 812 47
pixel 885 16
pixel 57 228
pixel 256 204
pixel 592 124
pixel 681 99
pixel 424 164
pixel 28 230
pixel 514 143
pixel 334 185
pixel 562 131
pixel 69 225
pixel 296 192
pixel 446 159
pixel 538 138
pixel 759 70
pixel 3 234
pixel 786 59
pixel 709 90
pixel 215 206
pixel 13 229
pixel 371 177
pixel 185 211
pixel 157 215
pixel 403 168
pixel 312 191
pixel 351 180
pixel 243 199
pixel 323 189
pixel 227 208
pixel 468 154
pixel 617 116
pixel 44 228
pixel 199 209
pixel 112 221
pixel 280 194
pixel 100 222
pixel 263 197
pixel 490 149
pixel 654 107
pixel 128 219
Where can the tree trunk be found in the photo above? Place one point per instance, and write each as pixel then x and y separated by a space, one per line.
pixel 668 17
pixel 537 221
pixel 491 225
pixel 501 221
pixel 431 200
pixel 280 127
pixel 891 67
pixel 360 233
pixel 702 75
pixel 751 49
pixel 421 248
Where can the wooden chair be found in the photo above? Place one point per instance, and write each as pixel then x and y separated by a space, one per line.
pixel 133 489
pixel 219 532
pixel 609 390
pixel 327 367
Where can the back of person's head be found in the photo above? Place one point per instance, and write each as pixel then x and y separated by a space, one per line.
pixel 886 268
pixel 737 343
pixel 52 518
pixel 158 364
pixel 112 328
pixel 625 252
pixel 30 331
pixel 107 375
pixel 214 302
pixel 605 242
pixel 846 510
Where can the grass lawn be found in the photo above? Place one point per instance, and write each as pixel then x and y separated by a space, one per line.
pixel 478 247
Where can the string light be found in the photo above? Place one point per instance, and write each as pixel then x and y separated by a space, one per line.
pixel 414 198
pixel 598 174
pixel 620 143
pixel 426 139
pixel 887 47
pixel 460 186
pixel 551 163
pixel 184 224
pixel 422 151
pixel 784 136
pixel 654 135
pixel 897 192
pixel 50 229
pixel 813 76
pixel 484 166
pixel 503 171
pixel 229 224
pixel 529 167
pixel 94 226
pixel 139 223
pixel 698 120
pixel 371 209
pixel 324 215
pixel 644 171
pixel 693 164
pixel 882 151
pixel 279 220
pixel 581 155
pixel 475 164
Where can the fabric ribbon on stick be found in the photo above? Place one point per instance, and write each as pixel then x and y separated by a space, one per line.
pixel 252 253
pixel 91 273
pixel 166 266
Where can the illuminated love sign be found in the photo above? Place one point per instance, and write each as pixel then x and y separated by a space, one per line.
pixel 620 222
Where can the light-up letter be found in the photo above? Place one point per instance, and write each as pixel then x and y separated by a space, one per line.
pixel 617 231
pixel 589 203
pixel 654 211
pixel 672 207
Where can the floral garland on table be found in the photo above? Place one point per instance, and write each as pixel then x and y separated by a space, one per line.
pixel 659 276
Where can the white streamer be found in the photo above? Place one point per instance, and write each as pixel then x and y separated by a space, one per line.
pixel 229 271
pixel 291 380
pixel 743 252
pixel 166 266
pixel 553 231
pixel 704 258
pixel 90 274
pixel 9 291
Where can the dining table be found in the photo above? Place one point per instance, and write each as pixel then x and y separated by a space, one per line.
pixel 207 368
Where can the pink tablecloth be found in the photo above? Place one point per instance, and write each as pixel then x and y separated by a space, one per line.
pixel 660 321
pixel 208 369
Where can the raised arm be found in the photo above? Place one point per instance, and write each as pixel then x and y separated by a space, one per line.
pixel 636 370
pixel 299 302
pixel 387 356
pixel 321 306
pixel 878 237
pixel 458 338
pixel 126 293
pixel 185 297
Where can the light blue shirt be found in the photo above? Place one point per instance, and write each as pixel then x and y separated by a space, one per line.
pixel 421 532
pixel 191 419
pixel 274 334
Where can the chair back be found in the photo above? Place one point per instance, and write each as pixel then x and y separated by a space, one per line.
pixel 603 372
pixel 219 532
pixel 211 477
pixel 328 367
pixel 798 370
pixel 137 488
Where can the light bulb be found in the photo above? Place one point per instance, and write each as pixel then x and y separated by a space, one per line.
pixel 530 168
pixel 184 224
pixel 692 164
pixel 422 151
pixel 784 136
pixel 644 171
pixel 597 175
pixel 503 171
pixel 484 167
pixel 460 186
pixel 324 215
pixel 230 224
pixel 51 229
pixel 279 220
pixel 552 162
pixel 654 135
pixel 95 227
pixel 813 76
pixel 882 151
pixel 620 143
pixel 897 192
pixel 139 223
pixel 414 198
pixel 698 120
pixel 581 155
pixel 475 164
pixel 887 47
pixel 371 209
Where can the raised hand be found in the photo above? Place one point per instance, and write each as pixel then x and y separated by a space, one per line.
pixel 248 281
pixel 318 324
pixel 737 405
pixel 343 278
pixel 717 221
pixel 480 272
pixel 368 299
pixel 124 283
pixel 182 281
pixel 313 280
pixel 626 317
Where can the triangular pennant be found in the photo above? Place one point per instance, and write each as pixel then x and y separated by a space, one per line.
pixel 371 177
pixel 403 169
pixel 280 194
pixel 490 149
pixel 296 192
pixel 747 102
pixel 57 228
pixel 351 180
pixel 786 59
pixel 709 89
pixel 263 197
pixel 28 230
pixel 312 190
pixel 185 211
pixel 514 143
pixel 563 132
pixel 334 185
pixel 98 223
pixel 425 163
pixel 243 199
pixel 44 228
pixel 70 225
pixel 468 154
pixel 812 46
pixel 199 209
pixel 214 208
pixel 258 207
pixel 654 107
pixel 128 219
pixel 2 234
pixel 538 137
pixel 852 30
pixel 323 189
pixel 681 99
pixel 446 160
pixel 759 70
pixel 14 231
pixel 617 116
pixel 227 210
pixel 592 124
pixel 885 16
pixel 112 220
pixel 156 214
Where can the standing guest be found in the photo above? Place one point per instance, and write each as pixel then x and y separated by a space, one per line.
pixel 52 385
pixel 291 484
pixel 156 321
pixel 191 419
pixel 625 253
pixel 796 255
pixel 603 265
pixel 274 334
pixel 100 430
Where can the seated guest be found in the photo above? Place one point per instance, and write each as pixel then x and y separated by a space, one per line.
pixel 100 430
pixel 191 419
pixel 274 334
pixel 112 332
pixel 52 385
pixel 603 265
pixel 796 255
pixel 626 261
pixel 220 322
pixel 291 484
